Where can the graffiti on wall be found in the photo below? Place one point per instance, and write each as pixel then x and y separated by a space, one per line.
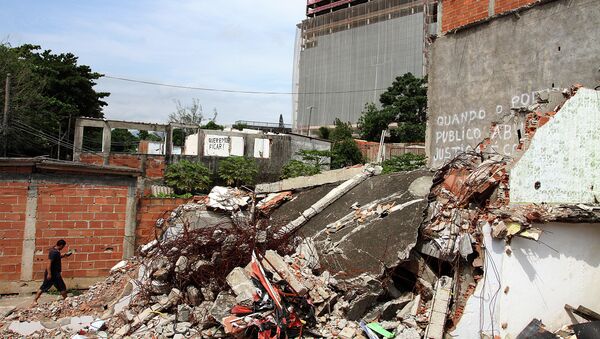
pixel 462 132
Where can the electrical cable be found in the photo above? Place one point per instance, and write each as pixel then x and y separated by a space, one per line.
pixel 222 90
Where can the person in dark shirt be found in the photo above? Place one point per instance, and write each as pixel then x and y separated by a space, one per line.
pixel 52 274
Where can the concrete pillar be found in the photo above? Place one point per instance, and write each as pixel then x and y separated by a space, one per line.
pixel 169 143
pixel 439 18
pixel 28 253
pixel 491 7
pixel 77 141
pixel 106 135
pixel 130 223
pixel 200 144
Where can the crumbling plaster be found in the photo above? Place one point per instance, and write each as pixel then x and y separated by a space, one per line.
pixel 562 163
pixel 536 280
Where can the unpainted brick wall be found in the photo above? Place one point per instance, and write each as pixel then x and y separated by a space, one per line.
pixel 92 221
pixel 457 13
pixel 149 210
pixel 13 201
pixel 154 164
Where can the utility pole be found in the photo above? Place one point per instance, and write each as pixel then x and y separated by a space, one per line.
pixel 309 117
pixel 5 116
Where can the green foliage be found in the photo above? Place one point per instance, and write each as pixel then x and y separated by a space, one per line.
pixel 297 168
pixel 145 135
pixel 187 177
pixel 342 131
pixel 213 125
pixel 405 102
pixel 344 151
pixel 373 121
pixel 404 162
pixel 312 163
pixel 407 132
pixel 324 132
pixel 238 171
pixel 121 140
pixel 407 99
pixel 239 126
pixel 48 92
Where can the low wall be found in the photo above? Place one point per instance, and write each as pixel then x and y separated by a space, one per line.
pixel 94 214
pixel 369 149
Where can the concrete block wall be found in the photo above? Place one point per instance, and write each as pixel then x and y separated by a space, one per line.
pixel 458 13
pixel 149 210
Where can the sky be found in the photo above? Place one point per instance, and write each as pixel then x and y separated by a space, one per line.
pixel 236 44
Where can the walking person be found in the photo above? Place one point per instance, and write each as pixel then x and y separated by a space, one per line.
pixel 52 274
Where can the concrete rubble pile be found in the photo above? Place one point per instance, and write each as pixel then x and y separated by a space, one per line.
pixel 377 256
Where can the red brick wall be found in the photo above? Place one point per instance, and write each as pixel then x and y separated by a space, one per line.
pixel 13 201
pixel 149 210
pixel 155 164
pixel 457 13
pixel 508 5
pixel 90 218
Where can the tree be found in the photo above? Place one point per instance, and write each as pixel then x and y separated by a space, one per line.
pixel 187 177
pixel 344 151
pixel 213 126
pixel 121 140
pixel 406 99
pixel 239 126
pixel 373 121
pixel 145 135
pixel 405 102
pixel 190 115
pixel 324 132
pixel 238 171
pixel 49 91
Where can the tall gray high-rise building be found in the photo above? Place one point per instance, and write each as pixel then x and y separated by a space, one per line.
pixel 348 52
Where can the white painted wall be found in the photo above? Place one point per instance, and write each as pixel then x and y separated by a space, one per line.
pixel 562 268
pixel 564 156
pixel 215 145
pixel 262 148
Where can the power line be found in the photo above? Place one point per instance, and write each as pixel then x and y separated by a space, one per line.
pixel 221 90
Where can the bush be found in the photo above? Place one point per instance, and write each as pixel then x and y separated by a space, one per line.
pixel 324 132
pixel 404 162
pixel 187 177
pixel 297 168
pixel 238 171
pixel 345 153
pixel 312 162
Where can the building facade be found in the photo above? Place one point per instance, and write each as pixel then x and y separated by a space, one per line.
pixel 349 52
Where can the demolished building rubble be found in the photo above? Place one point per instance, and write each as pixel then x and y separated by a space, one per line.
pixel 405 255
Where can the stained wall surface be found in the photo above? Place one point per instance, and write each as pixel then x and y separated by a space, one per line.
pixel 562 163
pixel 479 73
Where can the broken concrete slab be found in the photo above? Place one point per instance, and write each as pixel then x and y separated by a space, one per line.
pixel 222 305
pixel 327 177
pixel 241 284
pixel 359 305
pixel 26 327
pixel 274 262
pixel 383 238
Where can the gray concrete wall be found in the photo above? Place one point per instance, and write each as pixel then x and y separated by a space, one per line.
pixel 282 149
pixel 362 58
pixel 478 74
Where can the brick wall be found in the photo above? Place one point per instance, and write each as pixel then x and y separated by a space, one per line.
pixel 90 218
pixel 149 210
pixel 457 13
pixel 89 210
pixel 508 5
pixel 13 200
pixel 154 165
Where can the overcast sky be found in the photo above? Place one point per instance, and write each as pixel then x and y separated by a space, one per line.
pixel 235 44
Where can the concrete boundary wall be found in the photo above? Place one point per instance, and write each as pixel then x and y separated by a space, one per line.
pixel 479 73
